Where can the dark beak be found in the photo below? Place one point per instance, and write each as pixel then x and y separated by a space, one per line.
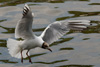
pixel 49 49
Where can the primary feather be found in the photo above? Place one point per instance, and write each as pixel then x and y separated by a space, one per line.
pixel 57 29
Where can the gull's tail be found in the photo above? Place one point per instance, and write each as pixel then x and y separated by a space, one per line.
pixel 15 49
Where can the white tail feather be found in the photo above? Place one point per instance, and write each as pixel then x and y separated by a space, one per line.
pixel 15 49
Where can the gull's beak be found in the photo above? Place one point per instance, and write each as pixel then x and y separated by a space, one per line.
pixel 49 49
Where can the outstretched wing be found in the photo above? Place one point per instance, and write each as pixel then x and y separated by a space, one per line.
pixel 24 26
pixel 57 29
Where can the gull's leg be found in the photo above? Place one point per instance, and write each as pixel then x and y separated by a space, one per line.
pixel 28 56
pixel 21 56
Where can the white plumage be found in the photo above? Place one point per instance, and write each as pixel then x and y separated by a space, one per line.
pixel 14 48
pixel 20 49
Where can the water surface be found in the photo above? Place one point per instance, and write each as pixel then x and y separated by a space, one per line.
pixel 75 49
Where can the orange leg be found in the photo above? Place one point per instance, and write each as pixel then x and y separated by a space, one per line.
pixel 28 56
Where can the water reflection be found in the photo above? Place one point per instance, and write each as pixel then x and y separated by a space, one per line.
pixel 2 43
pixel 16 2
pixel 76 66
pixel 7 61
pixel 67 48
pixel 86 38
pixel 57 61
pixel 9 30
pixel 61 41
pixel 94 4
pixel 35 55
pixel 3 20
pixel 78 14
pixel 79 49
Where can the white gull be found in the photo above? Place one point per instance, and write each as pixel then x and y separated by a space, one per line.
pixel 20 49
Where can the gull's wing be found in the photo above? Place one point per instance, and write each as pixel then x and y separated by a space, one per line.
pixel 24 26
pixel 57 29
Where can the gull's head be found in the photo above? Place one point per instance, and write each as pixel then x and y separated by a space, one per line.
pixel 46 46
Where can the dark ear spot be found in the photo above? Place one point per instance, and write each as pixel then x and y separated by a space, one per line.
pixel 44 45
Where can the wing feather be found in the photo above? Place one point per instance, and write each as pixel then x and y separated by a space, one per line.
pixel 24 26
pixel 57 29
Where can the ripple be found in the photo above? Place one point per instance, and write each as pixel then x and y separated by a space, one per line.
pixel 62 41
pixel 3 20
pixel 9 30
pixel 78 14
pixel 76 66
pixel 67 48
pixel 2 43
pixel 80 49
pixel 57 61
pixel 35 55
pixel 7 61
pixel 94 4
pixel 86 38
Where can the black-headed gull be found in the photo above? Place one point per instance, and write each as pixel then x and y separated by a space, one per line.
pixel 20 49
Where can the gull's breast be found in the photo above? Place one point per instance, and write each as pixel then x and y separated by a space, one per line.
pixel 32 43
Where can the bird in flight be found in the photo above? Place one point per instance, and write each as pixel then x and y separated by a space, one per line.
pixel 54 31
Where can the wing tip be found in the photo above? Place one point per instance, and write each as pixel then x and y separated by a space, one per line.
pixel 26 5
pixel 85 22
pixel 26 10
pixel 79 24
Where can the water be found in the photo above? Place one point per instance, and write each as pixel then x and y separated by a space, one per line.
pixel 75 49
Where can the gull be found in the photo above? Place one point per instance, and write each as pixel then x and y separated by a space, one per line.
pixel 54 31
